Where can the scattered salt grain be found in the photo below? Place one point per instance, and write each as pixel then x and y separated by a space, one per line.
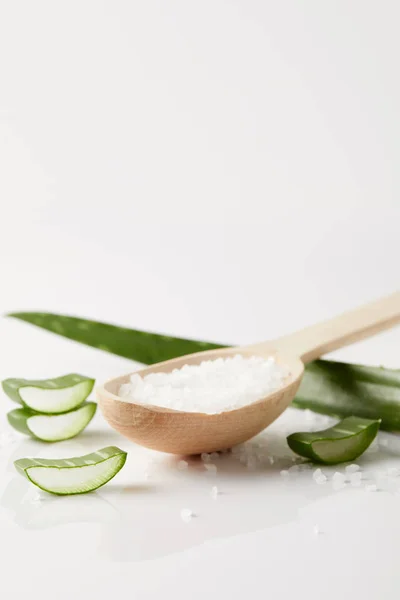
pixel 371 488
pixel 214 455
pixel 182 465
pixel 36 499
pixel 338 481
pixel 205 457
pixel 214 492
pixel 319 477
pixel 271 460
pixel 316 530
pixel 284 473
pixel 211 468
pixel 212 387
pixel 186 515
pixel 352 469
pixel 294 469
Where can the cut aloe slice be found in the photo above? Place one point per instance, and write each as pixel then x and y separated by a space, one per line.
pixel 51 396
pixel 343 442
pixel 52 428
pixel 77 475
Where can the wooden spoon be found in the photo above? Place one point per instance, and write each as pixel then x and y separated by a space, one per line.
pixel 180 432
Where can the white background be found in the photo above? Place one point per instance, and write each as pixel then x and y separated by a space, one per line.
pixel 222 170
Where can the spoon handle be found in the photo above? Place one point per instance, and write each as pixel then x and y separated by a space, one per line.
pixel 314 341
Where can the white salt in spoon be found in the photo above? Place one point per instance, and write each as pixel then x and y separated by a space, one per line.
pixel 180 432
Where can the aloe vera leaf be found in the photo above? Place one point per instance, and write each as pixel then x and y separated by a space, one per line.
pixel 343 442
pixel 140 346
pixel 50 396
pixel 341 390
pixel 77 475
pixel 328 387
pixel 52 428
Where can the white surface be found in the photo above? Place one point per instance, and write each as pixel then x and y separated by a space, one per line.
pixel 163 165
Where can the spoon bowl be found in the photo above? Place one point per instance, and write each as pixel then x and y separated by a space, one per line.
pixel 180 432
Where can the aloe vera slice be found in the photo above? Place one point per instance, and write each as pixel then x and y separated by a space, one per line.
pixel 328 387
pixel 343 442
pixel 52 428
pixel 50 396
pixel 141 346
pixel 77 475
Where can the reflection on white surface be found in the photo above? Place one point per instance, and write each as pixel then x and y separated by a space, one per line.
pixel 33 509
pixel 137 516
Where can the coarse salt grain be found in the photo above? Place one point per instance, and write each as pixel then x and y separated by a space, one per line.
pixel 352 469
pixel 214 492
pixel 205 457
pixel 182 465
pixel 211 468
pixel 316 530
pixel 319 477
pixel 338 481
pixel 284 473
pixel 294 469
pixel 371 488
pixel 212 387
pixel 186 515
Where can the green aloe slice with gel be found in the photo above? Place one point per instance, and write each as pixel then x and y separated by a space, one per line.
pixel 50 396
pixel 77 475
pixel 52 428
pixel 343 442
pixel 328 387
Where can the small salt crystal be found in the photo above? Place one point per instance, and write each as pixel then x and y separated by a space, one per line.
pixel 316 530
pixel 352 469
pixel 355 479
pixel 271 460
pixel 294 469
pixel 371 488
pixel 338 481
pixel 182 465
pixel 214 492
pixel 284 473
pixel 210 468
pixel 319 476
pixel 214 456
pixel 205 457
pixel 186 515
